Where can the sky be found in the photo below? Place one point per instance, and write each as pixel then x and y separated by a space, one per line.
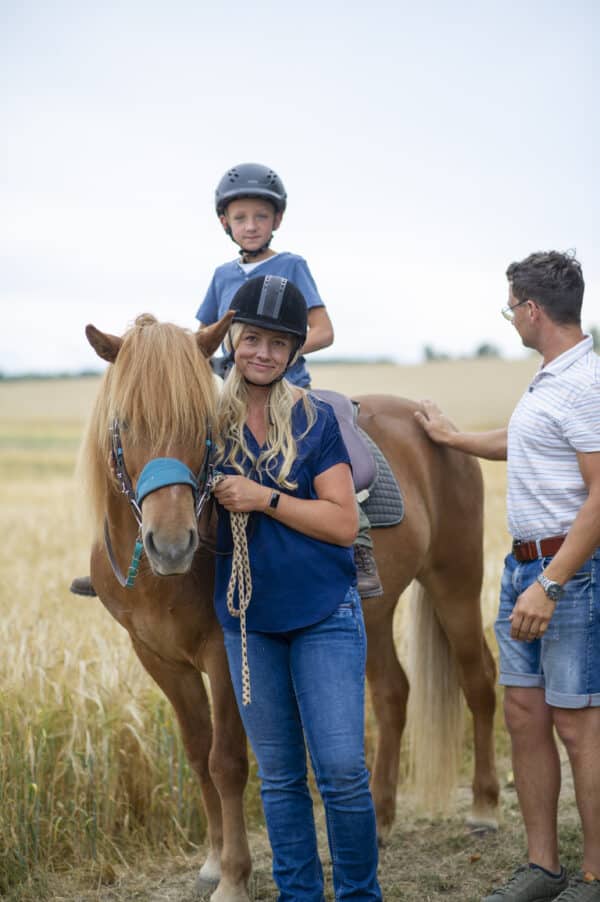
pixel 423 148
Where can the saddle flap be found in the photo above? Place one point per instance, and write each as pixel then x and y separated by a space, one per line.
pixel 364 468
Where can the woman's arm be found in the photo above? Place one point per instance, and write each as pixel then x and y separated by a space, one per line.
pixel 331 517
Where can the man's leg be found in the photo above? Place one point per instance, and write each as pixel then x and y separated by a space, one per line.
pixel 536 768
pixel 579 729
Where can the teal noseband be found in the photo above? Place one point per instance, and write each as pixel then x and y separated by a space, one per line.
pixel 164 471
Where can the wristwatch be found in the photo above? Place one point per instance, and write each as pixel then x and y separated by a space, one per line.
pixel 274 500
pixel 552 589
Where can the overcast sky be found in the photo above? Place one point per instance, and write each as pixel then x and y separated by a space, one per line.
pixel 423 148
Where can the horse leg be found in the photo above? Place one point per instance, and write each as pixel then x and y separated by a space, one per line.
pixel 459 613
pixel 228 861
pixel 228 767
pixel 388 688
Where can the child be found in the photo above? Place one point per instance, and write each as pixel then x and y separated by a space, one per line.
pixel 250 201
pixel 297 660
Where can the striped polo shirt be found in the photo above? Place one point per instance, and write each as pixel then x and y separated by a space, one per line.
pixel 558 415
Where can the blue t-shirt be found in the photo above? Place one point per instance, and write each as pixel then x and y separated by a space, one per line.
pixel 231 276
pixel 296 580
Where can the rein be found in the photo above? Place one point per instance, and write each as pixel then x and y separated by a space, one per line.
pixel 240 577
pixel 159 472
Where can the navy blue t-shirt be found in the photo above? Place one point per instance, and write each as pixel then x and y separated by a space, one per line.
pixel 296 580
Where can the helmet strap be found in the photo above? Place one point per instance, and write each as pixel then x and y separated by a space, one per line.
pixel 248 255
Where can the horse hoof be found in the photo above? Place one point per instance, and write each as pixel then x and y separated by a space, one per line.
pixel 205 883
pixel 481 826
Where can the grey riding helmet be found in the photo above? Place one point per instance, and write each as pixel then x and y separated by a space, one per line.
pixel 250 180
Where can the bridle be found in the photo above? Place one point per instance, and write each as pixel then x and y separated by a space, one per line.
pixel 157 473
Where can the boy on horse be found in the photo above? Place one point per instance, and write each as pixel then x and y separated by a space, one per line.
pixel 250 201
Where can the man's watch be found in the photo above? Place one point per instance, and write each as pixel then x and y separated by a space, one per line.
pixel 552 589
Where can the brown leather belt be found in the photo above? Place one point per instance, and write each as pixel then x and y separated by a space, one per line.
pixel 530 551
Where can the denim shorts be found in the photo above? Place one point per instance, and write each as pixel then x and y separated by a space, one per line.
pixel 566 661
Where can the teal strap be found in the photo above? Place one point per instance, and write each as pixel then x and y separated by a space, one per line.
pixel 163 471
pixel 135 563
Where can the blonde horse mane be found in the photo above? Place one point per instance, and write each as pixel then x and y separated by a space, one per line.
pixel 162 391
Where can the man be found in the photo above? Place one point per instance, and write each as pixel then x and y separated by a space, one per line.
pixel 548 626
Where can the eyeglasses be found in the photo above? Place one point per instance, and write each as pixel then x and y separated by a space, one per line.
pixel 508 312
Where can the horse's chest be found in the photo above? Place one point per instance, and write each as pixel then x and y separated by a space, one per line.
pixel 173 632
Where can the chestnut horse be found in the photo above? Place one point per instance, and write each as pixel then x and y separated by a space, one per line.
pixel 157 400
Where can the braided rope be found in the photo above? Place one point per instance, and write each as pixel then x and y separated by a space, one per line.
pixel 242 578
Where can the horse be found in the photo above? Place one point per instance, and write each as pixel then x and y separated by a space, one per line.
pixel 148 437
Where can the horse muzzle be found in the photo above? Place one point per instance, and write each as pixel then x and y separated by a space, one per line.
pixel 170 529
pixel 168 554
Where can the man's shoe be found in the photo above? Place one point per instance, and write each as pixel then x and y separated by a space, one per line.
pixel 82 585
pixel 529 884
pixel 367 575
pixel 582 888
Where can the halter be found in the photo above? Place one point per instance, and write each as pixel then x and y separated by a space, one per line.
pixel 159 472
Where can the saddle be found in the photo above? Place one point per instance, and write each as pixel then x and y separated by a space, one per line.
pixel 375 485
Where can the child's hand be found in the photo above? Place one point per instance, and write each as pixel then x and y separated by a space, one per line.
pixel 242 495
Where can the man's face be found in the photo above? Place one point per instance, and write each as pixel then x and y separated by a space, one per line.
pixel 521 317
pixel 252 221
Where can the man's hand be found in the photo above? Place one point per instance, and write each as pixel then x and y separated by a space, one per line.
pixel 531 614
pixel 437 426
pixel 242 495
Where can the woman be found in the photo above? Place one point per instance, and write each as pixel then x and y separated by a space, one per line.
pixel 285 463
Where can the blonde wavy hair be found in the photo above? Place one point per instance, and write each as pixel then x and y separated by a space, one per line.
pixel 232 411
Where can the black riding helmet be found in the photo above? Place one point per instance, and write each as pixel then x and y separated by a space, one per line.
pixel 250 180
pixel 271 302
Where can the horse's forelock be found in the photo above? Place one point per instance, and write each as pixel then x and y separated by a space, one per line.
pixel 162 385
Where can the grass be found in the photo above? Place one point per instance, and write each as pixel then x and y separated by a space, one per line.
pixel 97 800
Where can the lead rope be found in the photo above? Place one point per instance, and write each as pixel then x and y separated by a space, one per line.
pixel 242 578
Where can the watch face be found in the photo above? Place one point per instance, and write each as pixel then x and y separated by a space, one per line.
pixel 554 591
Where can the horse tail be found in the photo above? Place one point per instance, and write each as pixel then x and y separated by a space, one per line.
pixel 435 709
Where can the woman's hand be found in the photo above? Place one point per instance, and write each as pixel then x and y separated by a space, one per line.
pixel 242 495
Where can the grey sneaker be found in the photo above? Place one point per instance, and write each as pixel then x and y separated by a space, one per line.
pixel 582 888
pixel 529 885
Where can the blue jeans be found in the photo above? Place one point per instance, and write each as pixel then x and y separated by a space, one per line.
pixel 308 687
pixel 566 661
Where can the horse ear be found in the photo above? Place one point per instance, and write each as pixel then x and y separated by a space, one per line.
pixel 209 338
pixel 105 345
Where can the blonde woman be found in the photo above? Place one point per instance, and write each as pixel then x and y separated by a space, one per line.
pixel 286 465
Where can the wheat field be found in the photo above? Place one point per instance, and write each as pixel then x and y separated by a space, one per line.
pixel 92 772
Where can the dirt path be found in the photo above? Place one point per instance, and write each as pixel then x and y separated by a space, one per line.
pixel 423 861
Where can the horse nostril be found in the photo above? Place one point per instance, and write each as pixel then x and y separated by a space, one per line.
pixel 149 541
